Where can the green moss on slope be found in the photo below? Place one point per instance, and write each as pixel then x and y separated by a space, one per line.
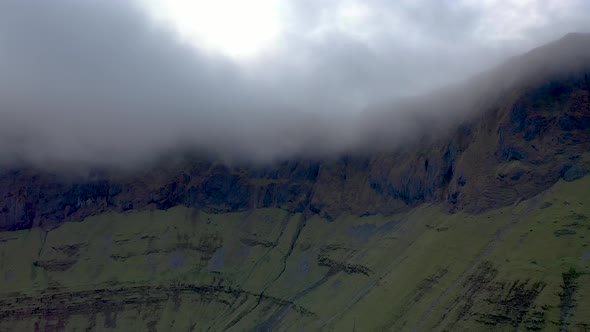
pixel 181 269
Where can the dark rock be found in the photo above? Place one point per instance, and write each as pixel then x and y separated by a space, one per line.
pixel 571 173
pixel 377 186
pixel 516 176
pixel 518 117
pixel 461 181
pixel 315 209
pixel 410 194
pixel 564 231
pixel 569 122
pixel 449 158
pixel 534 127
pixel 170 195
pixel 454 198
pixel 551 91
pixel 512 153
pixel 268 197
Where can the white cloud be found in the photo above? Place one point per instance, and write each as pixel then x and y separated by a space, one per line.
pixel 239 29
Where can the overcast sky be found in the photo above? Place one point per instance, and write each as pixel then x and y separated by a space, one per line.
pixel 112 81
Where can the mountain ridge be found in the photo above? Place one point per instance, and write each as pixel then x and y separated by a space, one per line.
pixel 537 133
pixel 481 225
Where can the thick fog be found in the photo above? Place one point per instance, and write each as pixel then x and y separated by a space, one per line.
pixel 103 83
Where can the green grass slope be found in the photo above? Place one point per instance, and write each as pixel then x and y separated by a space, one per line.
pixel 520 268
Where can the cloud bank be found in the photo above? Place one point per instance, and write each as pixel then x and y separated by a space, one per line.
pixel 102 83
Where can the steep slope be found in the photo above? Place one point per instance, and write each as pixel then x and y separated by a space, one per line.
pixel 475 226
pixel 523 267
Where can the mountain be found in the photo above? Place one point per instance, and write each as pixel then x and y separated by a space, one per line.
pixel 479 223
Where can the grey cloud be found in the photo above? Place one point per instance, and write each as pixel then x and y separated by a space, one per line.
pixel 99 83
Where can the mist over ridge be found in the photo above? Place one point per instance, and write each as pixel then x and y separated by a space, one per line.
pixel 101 84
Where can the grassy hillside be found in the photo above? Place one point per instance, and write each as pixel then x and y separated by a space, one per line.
pixel 525 267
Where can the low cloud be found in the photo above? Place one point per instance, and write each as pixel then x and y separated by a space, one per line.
pixel 100 83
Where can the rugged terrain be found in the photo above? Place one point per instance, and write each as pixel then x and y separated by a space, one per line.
pixel 484 227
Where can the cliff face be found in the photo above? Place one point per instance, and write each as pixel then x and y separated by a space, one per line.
pixel 513 150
